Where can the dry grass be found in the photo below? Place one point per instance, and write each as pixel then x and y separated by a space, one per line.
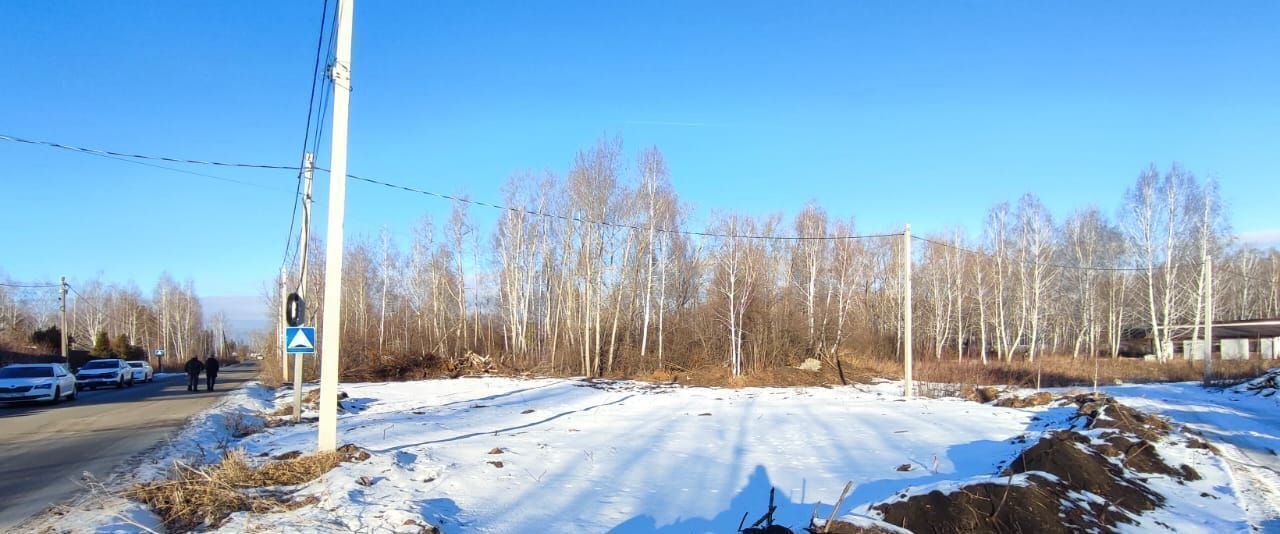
pixel 207 496
pixel 1058 371
pixel 949 377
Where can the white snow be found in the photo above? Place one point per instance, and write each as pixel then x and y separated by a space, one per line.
pixel 628 457
pixel 1244 426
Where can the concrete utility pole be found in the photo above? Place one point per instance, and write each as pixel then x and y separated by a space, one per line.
pixel 62 319
pixel 308 166
pixel 284 350
pixel 906 311
pixel 331 330
pixel 1208 320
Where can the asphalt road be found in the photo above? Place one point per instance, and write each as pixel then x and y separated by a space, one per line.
pixel 45 449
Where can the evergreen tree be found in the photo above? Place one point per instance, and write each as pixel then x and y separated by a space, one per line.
pixel 101 347
pixel 49 339
pixel 120 348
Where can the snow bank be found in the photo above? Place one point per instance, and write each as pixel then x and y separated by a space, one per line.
pixel 508 455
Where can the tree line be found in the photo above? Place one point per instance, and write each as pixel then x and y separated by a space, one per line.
pixel 113 320
pixel 600 272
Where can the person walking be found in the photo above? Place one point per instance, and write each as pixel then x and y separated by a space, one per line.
pixel 211 371
pixel 193 373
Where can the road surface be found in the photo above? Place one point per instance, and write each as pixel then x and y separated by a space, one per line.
pixel 45 449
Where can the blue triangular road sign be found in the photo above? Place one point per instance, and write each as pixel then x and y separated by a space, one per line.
pixel 301 339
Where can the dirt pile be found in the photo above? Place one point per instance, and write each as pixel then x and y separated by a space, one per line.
pixel 1039 399
pixel 1265 385
pixel 982 394
pixel 1086 478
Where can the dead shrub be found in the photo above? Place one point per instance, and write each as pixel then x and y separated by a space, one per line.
pixel 207 496
pixel 241 424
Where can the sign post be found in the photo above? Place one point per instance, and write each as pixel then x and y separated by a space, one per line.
pixel 301 341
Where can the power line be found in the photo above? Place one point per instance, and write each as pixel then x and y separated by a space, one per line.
pixel 4 137
pixel 32 285
pixel 1217 269
pixel 193 173
pixel 572 218
pixel 80 297
pixel 306 137
pixel 1058 265
pixel 583 220
pixel 1244 276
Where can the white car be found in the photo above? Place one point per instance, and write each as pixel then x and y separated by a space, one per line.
pixel 106 372
pixel 48 382
pixel 141 371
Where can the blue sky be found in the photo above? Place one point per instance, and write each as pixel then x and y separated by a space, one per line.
pixel 892 112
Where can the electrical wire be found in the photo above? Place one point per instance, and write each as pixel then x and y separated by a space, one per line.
pixel 306 138
pixel 1242 275
pixel 193 173
pixel 1058 265
pixel 583 220
pixel 90 303
pixel 31 285
pixel 572 218
pixel 5 137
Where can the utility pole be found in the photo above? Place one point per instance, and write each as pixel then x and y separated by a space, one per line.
pixel 1208 320
pixel 308 165
pixel 284 350
pixel 164 325
pixel 906 311
pixel 62 319
pixel 331 330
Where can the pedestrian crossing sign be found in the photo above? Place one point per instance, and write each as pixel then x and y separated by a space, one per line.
pixel 300 339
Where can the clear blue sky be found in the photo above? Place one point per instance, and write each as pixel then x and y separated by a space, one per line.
pixel 894 112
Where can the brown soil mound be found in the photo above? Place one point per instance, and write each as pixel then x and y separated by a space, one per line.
pixel 982 394
pixel 1068 456
pixel 1038 399
pixel 1105 412
pixel 1109 470
pixel 1040 506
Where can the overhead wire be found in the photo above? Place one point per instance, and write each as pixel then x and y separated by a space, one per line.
pixel 1217 269
pixel 101 152
pixel 306 138
pixel 539 213
pixel 1042 264
pixel 326 92
pixel 90 303
pixel 28 285
pixel 585 220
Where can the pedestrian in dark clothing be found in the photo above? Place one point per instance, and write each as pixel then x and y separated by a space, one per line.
pixel 211 371
pixel 193 373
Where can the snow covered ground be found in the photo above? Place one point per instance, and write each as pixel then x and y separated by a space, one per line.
pixel 1245 427
pixel 630 458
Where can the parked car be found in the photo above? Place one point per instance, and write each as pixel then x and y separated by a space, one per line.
pixel 108 372
pixel 141 371
pixel 48 382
